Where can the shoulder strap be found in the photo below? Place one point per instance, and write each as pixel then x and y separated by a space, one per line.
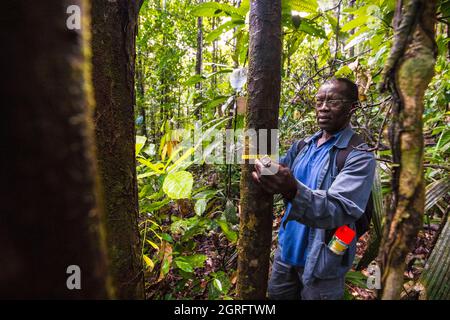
pixel 342 154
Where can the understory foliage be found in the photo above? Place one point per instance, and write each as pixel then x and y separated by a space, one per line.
pixel 189 210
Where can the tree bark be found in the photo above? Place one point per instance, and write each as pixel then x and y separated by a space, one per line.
pixel 255 233
pixel 140 78
pixel 198 63
pixel 51 211
pixel 114 27
pixel 408 69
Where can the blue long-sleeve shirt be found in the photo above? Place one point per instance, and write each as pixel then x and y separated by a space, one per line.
pixel 339 198
pixel 293 239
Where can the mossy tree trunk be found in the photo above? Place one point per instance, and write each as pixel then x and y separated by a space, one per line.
pixel 264 76
pixel 408 71
pixel 114 25
pixel 51 211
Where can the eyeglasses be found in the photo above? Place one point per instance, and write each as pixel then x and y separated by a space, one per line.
pixel 330 103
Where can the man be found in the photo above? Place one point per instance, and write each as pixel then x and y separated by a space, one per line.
pixel 319 199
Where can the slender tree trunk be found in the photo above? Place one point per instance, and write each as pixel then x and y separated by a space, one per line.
pixel 113 41
pixel 255 233
pixel 140 78
pixel 351 4
pixel 198 63
pixel 448 43
pixel 51 211
pixel 408 69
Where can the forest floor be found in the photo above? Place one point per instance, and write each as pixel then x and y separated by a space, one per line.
pixel 222 261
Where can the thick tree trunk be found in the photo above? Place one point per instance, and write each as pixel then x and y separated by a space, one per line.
pixel 255 233
pixel 410 68
pixel 113 44
pixel 51 217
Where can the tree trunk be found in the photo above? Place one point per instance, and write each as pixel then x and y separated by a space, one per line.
pixel 114 27
pixel 409 69
pixel 198 64
pixel 255 233
pixel 51 213
pixel 140 78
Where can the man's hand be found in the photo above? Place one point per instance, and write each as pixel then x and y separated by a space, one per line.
pixel 281 182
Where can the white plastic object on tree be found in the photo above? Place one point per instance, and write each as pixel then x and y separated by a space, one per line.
pixel 238 78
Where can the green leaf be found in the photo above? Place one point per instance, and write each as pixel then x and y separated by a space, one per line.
pixel 217 101
pixel 206 194
pixel 344 72
pixel 184 266
pixel 165 266
pixel 140 142
pixel 194 79
pixel 178 185
pixel 352 24
pixel 311 28
pixel 230 234
pixel 200 207
pixel 360 38
pixel 148 262
pixel 214 9
pixel 216 33
pixel 196 260
pixel 167 237
pixel 154 205
pixel 356 278
pixel 217 284
pixel 303 5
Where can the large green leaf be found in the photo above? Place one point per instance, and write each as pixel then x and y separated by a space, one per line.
pixel 356 40
pixel 215 9
pixel 310 6
pixel 216 33
pixel 307 26
pixel 184 266
pixel 178 185
pixel 304 5
pixel 352 24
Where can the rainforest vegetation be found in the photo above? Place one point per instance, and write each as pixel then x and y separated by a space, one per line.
pixel 114 141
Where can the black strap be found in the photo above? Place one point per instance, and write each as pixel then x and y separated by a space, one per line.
pixel 342 154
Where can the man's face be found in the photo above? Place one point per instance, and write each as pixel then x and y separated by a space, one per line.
pixel 333 108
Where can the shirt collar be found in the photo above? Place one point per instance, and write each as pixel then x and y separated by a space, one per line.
pixel 342 137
